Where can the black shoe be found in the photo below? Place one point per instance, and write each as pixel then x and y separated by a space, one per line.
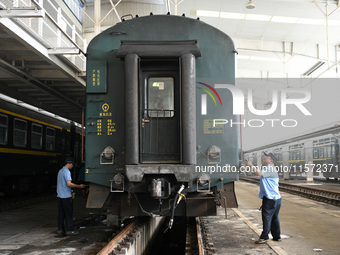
pixel 72 233
pixel 61 232
pixel 277 239
pixel 261 241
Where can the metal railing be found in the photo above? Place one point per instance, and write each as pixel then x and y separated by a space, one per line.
pixel 53 29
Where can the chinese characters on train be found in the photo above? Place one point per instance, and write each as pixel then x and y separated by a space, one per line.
pixel 105 118
pixel 96 77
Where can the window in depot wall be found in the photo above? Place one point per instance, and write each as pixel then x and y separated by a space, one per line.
pixel 161 99
pixel 75 6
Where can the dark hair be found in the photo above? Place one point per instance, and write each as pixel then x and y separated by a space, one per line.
pixel 69 160
pixel 272 156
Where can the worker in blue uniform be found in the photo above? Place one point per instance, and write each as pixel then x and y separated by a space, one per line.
pixel 65 208
pixel 271 198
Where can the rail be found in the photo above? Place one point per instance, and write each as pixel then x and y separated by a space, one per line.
pixel 194 242
pixel 329 197
pixel 135 238
pixel 53 29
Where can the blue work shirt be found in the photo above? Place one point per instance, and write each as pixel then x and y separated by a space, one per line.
pixel 269 183
pixel 64 176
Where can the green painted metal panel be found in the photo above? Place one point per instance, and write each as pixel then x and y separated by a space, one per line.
pixel 96 77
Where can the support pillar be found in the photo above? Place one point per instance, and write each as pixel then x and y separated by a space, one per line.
pixel 97 14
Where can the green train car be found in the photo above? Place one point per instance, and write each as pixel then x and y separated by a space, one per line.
pixel 155 88
pixel 33 147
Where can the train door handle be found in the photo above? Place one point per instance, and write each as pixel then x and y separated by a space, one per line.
pixel 144 121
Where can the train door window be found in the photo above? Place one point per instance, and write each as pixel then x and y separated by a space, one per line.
pixel 161 97
pixel 3 129
pixel 316 153
pixel 321 152
pixel 36 137
pixel 50 139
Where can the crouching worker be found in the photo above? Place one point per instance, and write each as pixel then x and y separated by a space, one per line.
pixel 65 207
pixel 271 198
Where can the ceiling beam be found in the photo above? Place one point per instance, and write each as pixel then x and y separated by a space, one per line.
pixel 30 100
pixel 22 13
pixel 26 78
pixel 313 51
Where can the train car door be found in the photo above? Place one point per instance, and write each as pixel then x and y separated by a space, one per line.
pixel 159 111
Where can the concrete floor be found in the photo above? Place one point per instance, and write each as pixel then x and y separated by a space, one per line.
pixel 232 236
pixel 32 230
pixel 306 225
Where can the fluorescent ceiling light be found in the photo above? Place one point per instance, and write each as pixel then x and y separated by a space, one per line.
pixel 267 18
pixel 281 19
pixel 258 17
pixel 257 58
pixel 314 68
pixel 232 15
pixel 208 13
pixel 243 57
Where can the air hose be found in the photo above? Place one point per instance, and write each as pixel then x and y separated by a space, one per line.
pixel 177 199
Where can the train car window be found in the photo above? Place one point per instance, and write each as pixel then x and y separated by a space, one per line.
pixel 50 139
pixel 321 152
pixel 294 155
pixel 3 129
pixel 20 133
pixel 36 137
pixel 298 157
pixel 161 97
pixel 328 151
pixel 316 153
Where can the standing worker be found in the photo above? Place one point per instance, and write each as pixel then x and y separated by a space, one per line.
pixel 65 207
pixel 271 198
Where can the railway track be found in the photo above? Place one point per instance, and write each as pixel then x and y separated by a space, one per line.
pixel 326 196
pixel 134 238
pixel 140 235
pixel 194 237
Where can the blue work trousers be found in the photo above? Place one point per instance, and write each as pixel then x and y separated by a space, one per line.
pixel 270 218
pixel 65 213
